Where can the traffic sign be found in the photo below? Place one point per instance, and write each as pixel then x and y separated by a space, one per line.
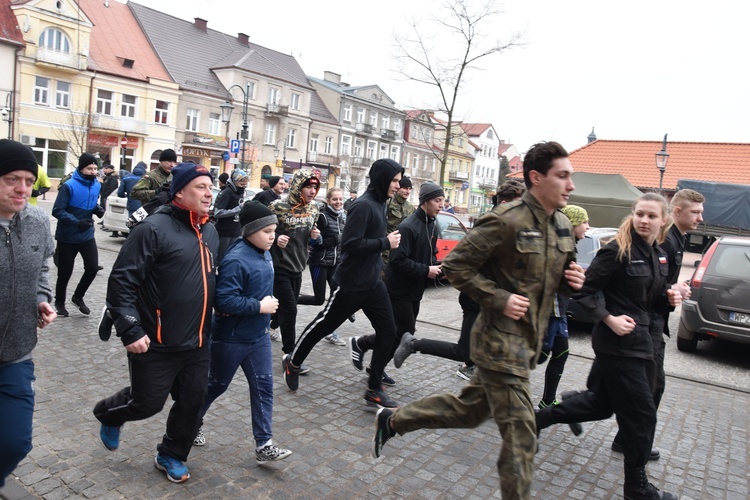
pixel 124 142
pixel 234 146
pixel 225 156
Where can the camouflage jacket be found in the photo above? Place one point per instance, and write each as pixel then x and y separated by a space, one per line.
pixel 517 248
pixel 397 209
pixel 150 183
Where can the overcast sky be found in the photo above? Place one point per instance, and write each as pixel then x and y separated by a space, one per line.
pixel 635 70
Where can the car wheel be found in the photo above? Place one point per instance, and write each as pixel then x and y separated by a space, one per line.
pixel 687 341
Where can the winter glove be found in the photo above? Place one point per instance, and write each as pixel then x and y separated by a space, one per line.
pixel 99 211
pixel 85 224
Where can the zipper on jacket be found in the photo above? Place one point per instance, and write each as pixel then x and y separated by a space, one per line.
pixel 12 305
pixel 158 326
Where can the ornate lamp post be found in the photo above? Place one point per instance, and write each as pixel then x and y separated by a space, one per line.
pixel 661 163
pixel 276 151
pixel 226 114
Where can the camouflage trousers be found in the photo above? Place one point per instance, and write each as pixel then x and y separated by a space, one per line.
pixel 504 397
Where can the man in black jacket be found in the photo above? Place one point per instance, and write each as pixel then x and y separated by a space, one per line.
pixel 160 296
pixel 359 283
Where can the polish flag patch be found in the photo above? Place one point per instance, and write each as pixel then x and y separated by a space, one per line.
pixel 662 260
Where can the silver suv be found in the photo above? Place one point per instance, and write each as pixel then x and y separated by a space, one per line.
pixel 719 304
pixel 586 249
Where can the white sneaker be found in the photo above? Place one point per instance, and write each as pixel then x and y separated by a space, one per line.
pixel 271 453
pixel 334 339
pixel 275 334
pixel 200 439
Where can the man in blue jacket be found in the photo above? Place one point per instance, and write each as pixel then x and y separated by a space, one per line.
pixel 126 188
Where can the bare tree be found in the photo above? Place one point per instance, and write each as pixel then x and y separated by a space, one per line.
pixel 352 178
pixel 459 28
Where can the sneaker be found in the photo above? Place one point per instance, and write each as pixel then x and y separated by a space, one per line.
pixel 653 455
pixel 200 438
pixel 271 453
pixel 379 399
pixel 81 305
pixel 109 436
pixel 403 350
pixel 383 431
pixel 61 311
pixel 303 370
pixel 177 472
pixel 291 374
pixel 356 353
pixel 352 318
pixel 275 334
pixel 385 379
pixel 334 339
pixel 466 372
pixel 576 428
pixel 105 325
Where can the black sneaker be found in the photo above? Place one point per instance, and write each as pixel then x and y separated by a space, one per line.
pixel 403 350
pixel 81 305
pixel 385 379
pixel 61 311
pixel 576 428
pixel 383 431
pixel 291 374
pixel 379 399
pixel 356 353
pixel 652 456
pixel 105 325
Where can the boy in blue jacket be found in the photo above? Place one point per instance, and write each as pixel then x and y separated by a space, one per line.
pixel 244 303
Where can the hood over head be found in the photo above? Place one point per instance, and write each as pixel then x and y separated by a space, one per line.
pixel 301 177
pixel 381 174
pixel 140 169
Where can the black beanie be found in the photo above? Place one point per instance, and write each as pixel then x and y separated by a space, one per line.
pixel 168 155
pixel 254 216
pixel 429 191
pixel 273 180
pixel 15 156
pixel 183 173
pixel 405 182
pixel 85 160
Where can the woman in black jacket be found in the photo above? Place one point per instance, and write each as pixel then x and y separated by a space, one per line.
pixel 631 272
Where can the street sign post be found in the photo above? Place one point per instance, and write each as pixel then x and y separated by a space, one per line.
pixel 124 143
pixel 225 156
pixel 234 146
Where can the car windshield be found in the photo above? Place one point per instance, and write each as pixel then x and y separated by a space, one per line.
pixel 732 261
pixel 586 252
pixel 449 228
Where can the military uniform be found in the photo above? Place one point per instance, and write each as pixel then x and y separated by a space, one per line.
pixel 150 183
pixel 517 248
pixel 397 209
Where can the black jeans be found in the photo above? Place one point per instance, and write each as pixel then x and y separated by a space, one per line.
pixel 66 257
pixel 320 276
pixel 154 375
pixel 286 288
pixel 343 303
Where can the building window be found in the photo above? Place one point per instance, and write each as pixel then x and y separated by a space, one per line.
pixel 415 158
pixel 127 108
pixel 270 134
pixel 490 135
pixel 250 90
pixel 371 147
pixel 291 138
pixel 360 115
pixel 274 96
pixel 348 113
pixel 395 151
pixel 427 135
pixel 51 155
pixel 314 143
pixel 193 116
pixel 62 95
pixel 54 39
pixel 295 102
pixel 346 145
pixel 397 126
pixel 214 123
pixel 359 146
pixel 383 151
pixel 386 122
pixel 161 114
pixel 373 119
pixel 41 90
pixel 329 145
pixel 104 102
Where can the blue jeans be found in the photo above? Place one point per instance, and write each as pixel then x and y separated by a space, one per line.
pixel 255 360
pixel 17 411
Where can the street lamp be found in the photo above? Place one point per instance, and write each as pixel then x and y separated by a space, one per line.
pixel 661 162
pixel 226 114
pixel 7 113
pixel 276 151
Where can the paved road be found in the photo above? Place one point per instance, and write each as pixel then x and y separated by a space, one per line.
pixel 702 432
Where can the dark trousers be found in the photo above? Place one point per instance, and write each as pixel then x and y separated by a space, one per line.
pixel 286 288
pixel 620 386
pixel 319 276
pixel 404 317
pixel 66 257
pixel 343 303
pixel 17 410
pixel 154 375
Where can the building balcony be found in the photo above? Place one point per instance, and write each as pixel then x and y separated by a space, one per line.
pixel 274 108
pixel 364 128
pixel 455 175
pixel 312 156
pixel 362 161
pixel 68 60
pixel 120 124
pixel 486 183
pixel 388 134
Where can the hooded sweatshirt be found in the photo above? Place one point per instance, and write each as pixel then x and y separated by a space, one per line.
pixel 126 186
pixel 296 220
pixel 364 235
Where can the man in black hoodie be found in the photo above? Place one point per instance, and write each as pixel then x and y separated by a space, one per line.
pixel 359 283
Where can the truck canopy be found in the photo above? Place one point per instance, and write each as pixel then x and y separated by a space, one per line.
pixel 726 205
pixel 608 198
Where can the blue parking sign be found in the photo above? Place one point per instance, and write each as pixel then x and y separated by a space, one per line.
pixel 225 156
pixel 234 146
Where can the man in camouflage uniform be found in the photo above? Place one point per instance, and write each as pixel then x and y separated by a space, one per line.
pixel 512 263
pixel 397 209
pixel 154 182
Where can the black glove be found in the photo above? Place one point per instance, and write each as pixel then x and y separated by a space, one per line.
pixel 85 224
pixel 99 211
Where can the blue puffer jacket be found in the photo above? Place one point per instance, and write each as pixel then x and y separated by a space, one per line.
pixel 126 186
pixel 76 201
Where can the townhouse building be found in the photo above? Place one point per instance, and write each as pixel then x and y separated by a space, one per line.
pixel 11 42
pixel 484 145
pixel 459 163
pixel 420 154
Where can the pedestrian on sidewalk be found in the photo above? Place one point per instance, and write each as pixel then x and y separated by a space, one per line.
pixel 631 273
pixel 512 262
pixel 227 209
pixel 325 258
pixel 74 208
pixel 276 187
pixel 126 187
pixel 244 303
pixel 156 181
pixel 160 297
pixel 25 293
pixel 359 285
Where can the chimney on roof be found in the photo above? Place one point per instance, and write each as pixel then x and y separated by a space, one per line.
pixel 330 76
pixel 243 38
pixel 201 24
pixel 592 136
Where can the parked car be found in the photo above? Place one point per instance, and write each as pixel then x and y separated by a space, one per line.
pixel 116 214
pixel 586 249
pixel 450 231
pixel 719 304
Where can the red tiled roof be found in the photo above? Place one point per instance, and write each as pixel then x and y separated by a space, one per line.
pixel 9 30
pixel 636 161
pixel 117 36
pixel 502 148
pixel 475 129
